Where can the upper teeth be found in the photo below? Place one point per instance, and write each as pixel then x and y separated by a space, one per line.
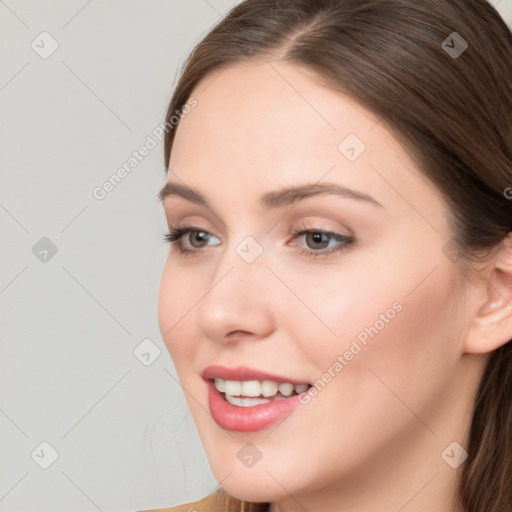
pixel 256 388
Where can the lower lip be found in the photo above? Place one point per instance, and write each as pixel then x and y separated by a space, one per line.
pixel 248 419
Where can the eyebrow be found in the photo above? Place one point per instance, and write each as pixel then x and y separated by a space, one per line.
pixel 275 199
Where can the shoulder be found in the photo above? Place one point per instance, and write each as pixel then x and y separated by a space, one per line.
pixel 203 505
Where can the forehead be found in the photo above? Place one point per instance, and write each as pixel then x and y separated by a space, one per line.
pixel 261 125
pixel 272 104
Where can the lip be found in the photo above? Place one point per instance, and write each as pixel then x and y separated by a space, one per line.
pixel 244 373
pixel 248 419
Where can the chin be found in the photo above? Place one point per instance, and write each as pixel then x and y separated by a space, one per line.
pixel 254 490
pixel 266 481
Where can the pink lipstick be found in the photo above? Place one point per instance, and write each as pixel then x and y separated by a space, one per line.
pixel 243 399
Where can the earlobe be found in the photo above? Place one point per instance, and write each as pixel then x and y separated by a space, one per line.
pixel 491 327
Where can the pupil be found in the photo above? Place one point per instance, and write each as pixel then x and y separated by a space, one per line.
pixel 320 238
pixel 200 236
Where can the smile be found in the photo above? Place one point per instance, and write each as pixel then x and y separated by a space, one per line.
pixel 253 403
pixel 249 393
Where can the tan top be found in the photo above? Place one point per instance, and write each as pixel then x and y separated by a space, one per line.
pixel 204 505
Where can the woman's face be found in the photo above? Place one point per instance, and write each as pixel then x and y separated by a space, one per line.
pixel 368 316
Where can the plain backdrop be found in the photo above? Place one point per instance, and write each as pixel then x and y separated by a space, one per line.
pixel 91 415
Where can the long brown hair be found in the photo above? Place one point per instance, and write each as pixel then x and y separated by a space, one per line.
pixel 448 99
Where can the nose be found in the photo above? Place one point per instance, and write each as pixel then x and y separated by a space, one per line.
pixel 238 302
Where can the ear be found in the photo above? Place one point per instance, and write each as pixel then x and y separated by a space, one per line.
pixel 491 327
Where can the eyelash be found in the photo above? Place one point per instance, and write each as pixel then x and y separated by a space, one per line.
pixel 175 235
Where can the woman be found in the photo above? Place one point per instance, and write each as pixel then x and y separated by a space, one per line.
pixel 337 296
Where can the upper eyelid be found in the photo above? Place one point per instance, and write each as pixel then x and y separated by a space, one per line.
pixel 192 224
pixel 289 217
pixel 292 220
pixel 292 230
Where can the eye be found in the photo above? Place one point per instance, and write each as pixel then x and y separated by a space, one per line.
pixel 318 240
pixel 197 241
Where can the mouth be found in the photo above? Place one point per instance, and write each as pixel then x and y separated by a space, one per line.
pixel 245 400
pixel 249 393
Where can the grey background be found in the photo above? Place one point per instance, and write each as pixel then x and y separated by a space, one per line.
pixel 71 321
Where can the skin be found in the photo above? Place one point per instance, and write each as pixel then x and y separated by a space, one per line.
pixel 373 436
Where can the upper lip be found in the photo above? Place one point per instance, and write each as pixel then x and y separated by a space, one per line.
pixel 244 373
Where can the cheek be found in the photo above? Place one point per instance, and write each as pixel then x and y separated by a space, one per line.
pixel 175 305
pixel 399 348
pixel 405 365
pixel 397 324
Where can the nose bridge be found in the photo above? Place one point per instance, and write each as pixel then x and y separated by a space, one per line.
pixel 244 261
pixel 237 298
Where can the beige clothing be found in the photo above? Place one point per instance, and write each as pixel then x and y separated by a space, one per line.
pixel 203 505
